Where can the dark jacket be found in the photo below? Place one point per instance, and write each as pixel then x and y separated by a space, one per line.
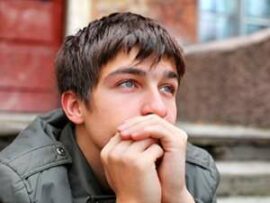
pixel 34 168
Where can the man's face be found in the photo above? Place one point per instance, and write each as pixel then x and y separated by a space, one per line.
pixel 128 89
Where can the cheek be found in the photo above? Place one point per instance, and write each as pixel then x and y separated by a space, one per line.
pixel 110 116
pixel 124 106
pixel 172 114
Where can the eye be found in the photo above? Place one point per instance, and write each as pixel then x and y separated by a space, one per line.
pixel 168 89
pixel 127 84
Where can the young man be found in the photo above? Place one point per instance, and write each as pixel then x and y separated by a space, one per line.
pixel 115 138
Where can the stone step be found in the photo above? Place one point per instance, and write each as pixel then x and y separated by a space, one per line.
pixel 210 133
pixel 12 123
pixel 230 143
pixel 249 178
pixel 244 199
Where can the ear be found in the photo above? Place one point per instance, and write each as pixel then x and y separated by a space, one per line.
pixel 72 106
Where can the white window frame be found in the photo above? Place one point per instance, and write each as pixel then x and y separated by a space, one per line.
pixel 240 17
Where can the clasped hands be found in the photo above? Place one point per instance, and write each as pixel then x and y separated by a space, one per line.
pixel 145 162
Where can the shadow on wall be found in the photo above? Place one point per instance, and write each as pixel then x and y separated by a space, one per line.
pixel 228 82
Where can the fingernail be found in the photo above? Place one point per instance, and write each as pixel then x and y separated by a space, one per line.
pixel 124 135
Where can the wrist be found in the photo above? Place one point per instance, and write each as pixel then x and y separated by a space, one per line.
pixel 181 197
pixel 138 199
pixel 127 200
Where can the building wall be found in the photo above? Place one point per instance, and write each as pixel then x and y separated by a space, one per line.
pixel 30 34
pixel 228 82
pixel 178 16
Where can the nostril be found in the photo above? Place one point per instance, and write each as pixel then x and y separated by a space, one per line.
pixel 150 113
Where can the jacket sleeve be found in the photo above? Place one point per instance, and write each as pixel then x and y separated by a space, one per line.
pixel 202 176
pixel 12 187
pixel 203 183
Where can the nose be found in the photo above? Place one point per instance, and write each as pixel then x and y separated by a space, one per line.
pixel 153 103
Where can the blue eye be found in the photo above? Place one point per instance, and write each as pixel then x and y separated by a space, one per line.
pixel 128 84
pixel 168 89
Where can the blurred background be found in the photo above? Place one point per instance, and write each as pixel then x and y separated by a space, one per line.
pixel 224 101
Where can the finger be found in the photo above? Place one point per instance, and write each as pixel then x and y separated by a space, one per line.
pixel 109 146
pixel 153 153
pixel 171 137
pixel 120 148
pixel 140 146
pixel 133 121
pixel 129 127
pixel 169 140
pixel 133 130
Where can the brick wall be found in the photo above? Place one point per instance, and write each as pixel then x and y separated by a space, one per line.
pixel 178 16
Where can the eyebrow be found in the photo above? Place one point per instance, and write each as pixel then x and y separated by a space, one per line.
pixel 129 70
pixel 139 72
pixel 171 74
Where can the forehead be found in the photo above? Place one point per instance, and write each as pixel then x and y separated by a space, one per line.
pixel 124 60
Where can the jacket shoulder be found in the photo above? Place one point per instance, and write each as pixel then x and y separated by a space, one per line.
pixel 32 159
pixel 35 174
pixel 36 148
pixel 12 188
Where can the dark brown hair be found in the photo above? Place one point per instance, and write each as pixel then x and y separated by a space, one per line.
pixel 81 56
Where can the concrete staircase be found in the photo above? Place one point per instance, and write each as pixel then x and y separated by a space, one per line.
pixel 243 159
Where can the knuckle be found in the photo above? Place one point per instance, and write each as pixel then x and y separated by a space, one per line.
pixel 181 138
pixel 129 158
pixel 132 161
pixel 138 165
pixel 114 157
pixel 183 134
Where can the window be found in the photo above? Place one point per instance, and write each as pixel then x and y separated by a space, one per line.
pixel 220 19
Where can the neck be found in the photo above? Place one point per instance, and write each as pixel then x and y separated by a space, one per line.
pixel 92 154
